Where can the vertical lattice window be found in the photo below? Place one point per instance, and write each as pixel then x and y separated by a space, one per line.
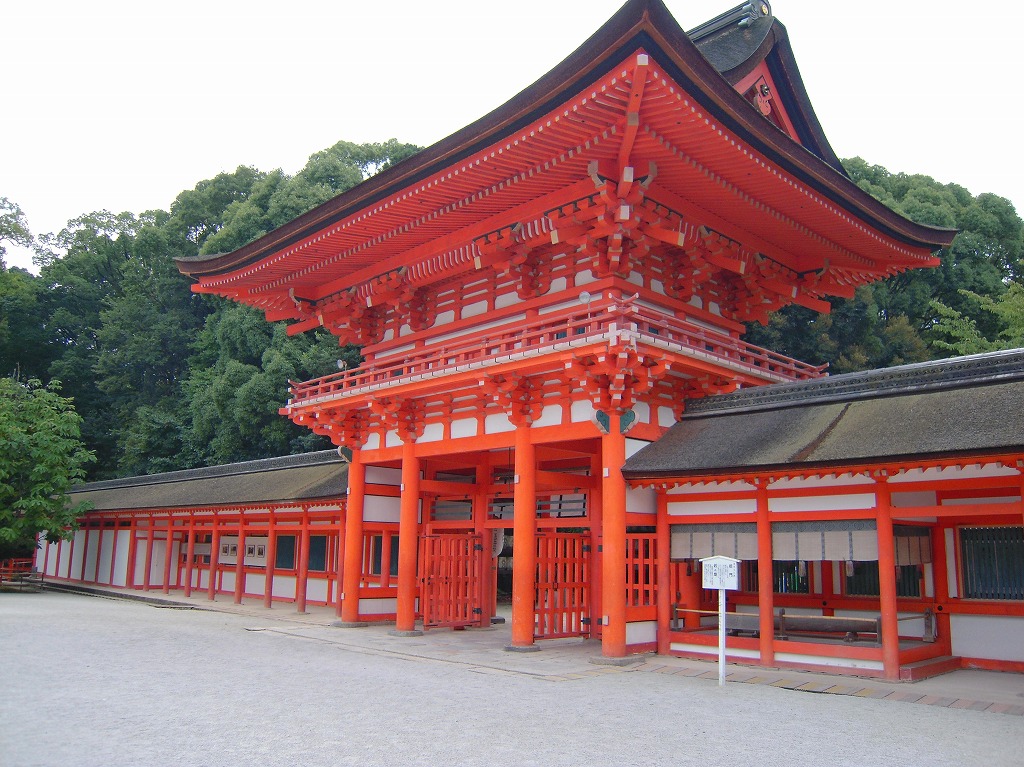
pixel 992 562
pixel 788 577
pixel 863 580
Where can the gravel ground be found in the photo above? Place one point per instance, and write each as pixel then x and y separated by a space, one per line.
pixel 91 681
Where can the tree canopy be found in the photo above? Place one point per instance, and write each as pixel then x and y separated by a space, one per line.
pixel 164 379
pixel 42 457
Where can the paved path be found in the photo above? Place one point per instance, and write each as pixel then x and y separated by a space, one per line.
pixel 90 681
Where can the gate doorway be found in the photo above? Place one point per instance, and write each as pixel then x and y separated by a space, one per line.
pixel 563 585
pixel 450 572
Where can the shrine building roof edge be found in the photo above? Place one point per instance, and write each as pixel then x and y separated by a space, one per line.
pixel 639 24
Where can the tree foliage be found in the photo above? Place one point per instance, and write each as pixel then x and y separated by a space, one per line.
pixel 963 305
pixel 163 378
pixel 42 457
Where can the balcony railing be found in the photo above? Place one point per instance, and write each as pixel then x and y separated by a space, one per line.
pixel 579 326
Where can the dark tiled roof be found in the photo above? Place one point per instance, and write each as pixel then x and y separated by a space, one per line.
pixel 966 405
pixel 290 478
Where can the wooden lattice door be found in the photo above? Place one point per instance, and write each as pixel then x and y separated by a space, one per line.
pixel 450 567
pixel 563 585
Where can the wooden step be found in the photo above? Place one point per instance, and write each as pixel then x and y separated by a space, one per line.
pixel 913 672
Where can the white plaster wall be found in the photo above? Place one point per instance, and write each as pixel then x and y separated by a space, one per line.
pixel 497 423
pixel 823 503
pixel 378 606
pixel 432 432
pixel 77 555
pixel 693 508
pixel 51 559
pixel 634 446
pixel 581 410
pixel 643 412
pixel 227 581
pixel 641 500
pixel 551 415
pixel 156 565
pixel 381 508
pixel 641 632
pixel 377 475
pixel 995 637
pixel 121 558
pixel 474 309
pixel 464 427
pixel 316 589
pixel 391 439
pixel 106 546
pixel 506 299
pixel 284 586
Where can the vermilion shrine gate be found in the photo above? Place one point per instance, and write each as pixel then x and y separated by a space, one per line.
pixel 543 295
pixel 537 295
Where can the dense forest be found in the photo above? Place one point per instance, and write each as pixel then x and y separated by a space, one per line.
pixel 165 379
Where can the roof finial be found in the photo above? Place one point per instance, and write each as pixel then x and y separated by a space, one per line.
pixel 754 11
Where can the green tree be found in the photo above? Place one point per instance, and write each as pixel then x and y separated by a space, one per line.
pixel 13 228
pixel 43 457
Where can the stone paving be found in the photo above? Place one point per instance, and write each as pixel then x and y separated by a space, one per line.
pixel 573 659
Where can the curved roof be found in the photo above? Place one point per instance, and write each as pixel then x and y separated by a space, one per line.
pixel 695 124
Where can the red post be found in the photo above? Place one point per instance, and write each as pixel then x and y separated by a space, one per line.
pixel 211 587
pixel 302 581
pixel 150 540
pixel 353 562
pixel 190 554
pixel 168 548
pixel 268 579
pixel 664 576
pixel 488 563
pixel 408 538
pixel 524 538
pixel 765 582
pixel 240 561
pixel 613 575
pixel 887 582
pixel 132 553
pixel 85 555
pixel 113 551
pixel 99 552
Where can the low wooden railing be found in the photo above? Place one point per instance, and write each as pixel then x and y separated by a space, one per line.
pixel 571 327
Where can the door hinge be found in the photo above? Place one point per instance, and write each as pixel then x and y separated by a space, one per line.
pixel 478 547
pixel 585 621
pixel 586 547
pixel 478 611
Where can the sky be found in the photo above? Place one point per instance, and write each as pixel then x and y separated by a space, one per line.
pixel 121 105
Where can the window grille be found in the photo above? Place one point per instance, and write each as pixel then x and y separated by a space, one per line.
pixel 992 562
pixel 863 580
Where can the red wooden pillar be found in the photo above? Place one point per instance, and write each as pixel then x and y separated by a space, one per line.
pixel 887 581
pixel 613 544
pixel 595 506
pixel 268 578
pixel 352 565
pixel 488 562
pixel 940 577
pixel 190 553
pixel 168 548
pixel 664 576
pixel 113 551
pixel 408 538
pixel 240 560
pixel 524 540
pixel 765 582
pixel 150 541
pixel 211 587
pixel 133 553
pixel 302 581
pixel 71 555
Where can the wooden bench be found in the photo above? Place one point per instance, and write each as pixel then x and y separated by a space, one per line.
pixel 850 628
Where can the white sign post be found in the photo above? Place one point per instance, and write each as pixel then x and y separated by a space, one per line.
pixel 722 573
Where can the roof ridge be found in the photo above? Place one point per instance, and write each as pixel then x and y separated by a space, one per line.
pixel 934 375
pixel 258 465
